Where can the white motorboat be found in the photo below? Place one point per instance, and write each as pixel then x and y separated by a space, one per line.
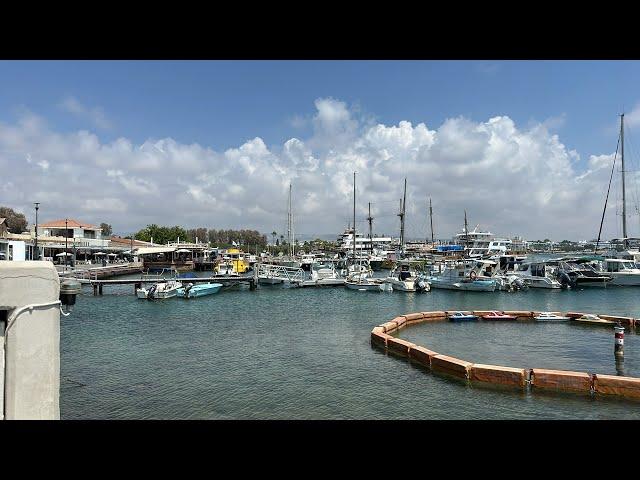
pixel 550 317
pixel 538 275
pixel 405 279
pixel 325 275
pixel 160 290
pixel 624 272
pixel 365 284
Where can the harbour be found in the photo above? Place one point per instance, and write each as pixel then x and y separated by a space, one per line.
pixel 337 260
pixel 280 353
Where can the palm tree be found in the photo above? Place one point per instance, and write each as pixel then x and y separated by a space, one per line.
pixel 274 234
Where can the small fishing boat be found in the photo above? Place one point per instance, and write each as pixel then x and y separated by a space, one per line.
pixel 364 284
pixel 198 290
pixel 594 319
pixel 160 290
pixel 462 317
pixel 550 317
pixel 498 316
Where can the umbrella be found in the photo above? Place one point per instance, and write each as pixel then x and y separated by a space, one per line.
pixel 63 254
pixel 99 253
pixel 113 254
pixel 183 250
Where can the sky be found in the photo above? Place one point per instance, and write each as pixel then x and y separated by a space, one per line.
pixel 525 147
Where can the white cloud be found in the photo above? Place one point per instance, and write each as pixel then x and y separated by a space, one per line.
pixel 511 180
pixel 94 114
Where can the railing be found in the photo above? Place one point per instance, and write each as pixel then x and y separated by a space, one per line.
pixel 280 272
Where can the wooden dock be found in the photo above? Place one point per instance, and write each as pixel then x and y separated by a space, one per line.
pixel 227 281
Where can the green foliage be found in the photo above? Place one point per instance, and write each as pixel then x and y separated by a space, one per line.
pixel 107 231
pixel 16 222
pixel 161 235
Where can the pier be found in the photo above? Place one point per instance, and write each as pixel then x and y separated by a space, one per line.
pixel 227 281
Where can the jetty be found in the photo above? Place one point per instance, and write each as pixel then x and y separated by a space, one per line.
pixel 226 281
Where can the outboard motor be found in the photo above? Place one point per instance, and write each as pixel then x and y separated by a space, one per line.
pixel 566 281
pixel 152 292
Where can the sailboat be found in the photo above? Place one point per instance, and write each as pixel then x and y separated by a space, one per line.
pixel 623 267
pixel 360 280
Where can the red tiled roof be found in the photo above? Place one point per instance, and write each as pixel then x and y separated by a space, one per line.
pixel 127 242
pixel 71 223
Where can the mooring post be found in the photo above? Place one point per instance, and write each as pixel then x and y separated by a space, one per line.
pixel 100 289
pixel 619 340
pixel 136 286
pixel 95 289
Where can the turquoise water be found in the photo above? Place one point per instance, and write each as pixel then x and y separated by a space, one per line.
pixel 279 353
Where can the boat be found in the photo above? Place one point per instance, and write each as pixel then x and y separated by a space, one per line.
pixel 405 279
pixel 325 275
pixel 233 263
pixel 624 272
pixel 538 275
pixel 160 290
pixel 550 317
pixel 462 317
pixel 594 319
pixel 454 277
pixel 498 316
pixel 577 272
pixel 192 290
pixel 364 284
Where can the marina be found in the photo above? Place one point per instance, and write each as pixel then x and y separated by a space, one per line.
pixel 171 359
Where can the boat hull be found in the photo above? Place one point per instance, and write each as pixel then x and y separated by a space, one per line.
pixel 199 290
pixel 475 286
pixel 369 287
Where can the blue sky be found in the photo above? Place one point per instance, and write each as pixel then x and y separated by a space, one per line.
pixel 224 103
pixel 208 114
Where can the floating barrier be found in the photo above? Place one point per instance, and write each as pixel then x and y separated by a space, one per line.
pixel 498 375
pixel 536 378
pixel 614 385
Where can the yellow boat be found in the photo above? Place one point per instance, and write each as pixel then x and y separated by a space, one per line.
pixel 233 263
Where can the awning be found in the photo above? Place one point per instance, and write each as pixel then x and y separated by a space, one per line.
pixel 149 250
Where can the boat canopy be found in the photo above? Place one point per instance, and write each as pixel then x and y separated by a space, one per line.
pixel 149 250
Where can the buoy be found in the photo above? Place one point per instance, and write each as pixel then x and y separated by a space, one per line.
pixel 619 340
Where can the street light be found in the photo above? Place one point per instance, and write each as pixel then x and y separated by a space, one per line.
pixel 66 236
pixel 37 205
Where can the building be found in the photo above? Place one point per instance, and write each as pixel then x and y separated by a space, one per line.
pixel 85 234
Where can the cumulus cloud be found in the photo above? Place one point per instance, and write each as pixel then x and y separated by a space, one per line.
pixel 93 114
pixel 510 179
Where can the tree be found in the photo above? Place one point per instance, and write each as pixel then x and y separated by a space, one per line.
pixel 106 229
pixel 16 222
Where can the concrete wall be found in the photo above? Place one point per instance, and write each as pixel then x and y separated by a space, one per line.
pixel 32 351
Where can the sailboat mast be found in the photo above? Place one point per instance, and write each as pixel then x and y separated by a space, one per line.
pixel 624 203
pixel 289 220
pixel 466 231
pixel 370 219
pixel 354 218
pixel 401 214
pixel 431 220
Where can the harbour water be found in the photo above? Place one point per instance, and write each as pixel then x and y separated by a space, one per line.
pixel 286 353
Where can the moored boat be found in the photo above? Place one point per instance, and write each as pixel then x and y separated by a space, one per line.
pixel 550 317
pixel 462 317
pixel 498 316
pixel 160 290
pixel 192 290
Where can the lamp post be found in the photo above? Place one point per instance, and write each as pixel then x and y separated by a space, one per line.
pixel 37 205
pixel 66 236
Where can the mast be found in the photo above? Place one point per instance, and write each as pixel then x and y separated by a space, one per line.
pixel 289 221
pixel 293 234
pixel 401 215
pixel 370 219
pixel 354 219
pixel 466 231
pixel 624 204
pixel 431 219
